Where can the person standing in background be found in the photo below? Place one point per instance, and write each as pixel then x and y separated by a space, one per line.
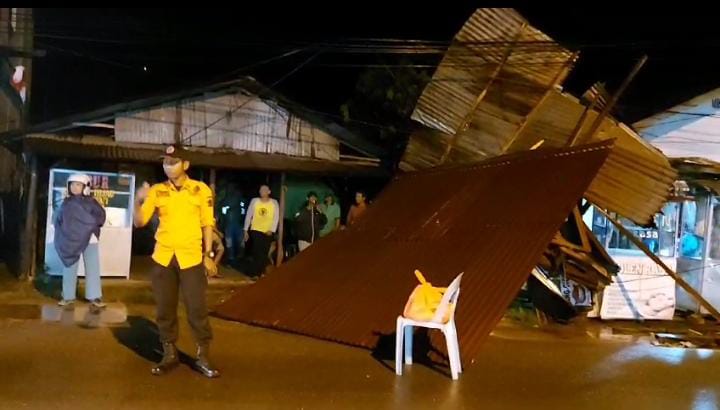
pixel 331 210
pixel 357 210
pixel 309 222
pixel 77 233
pixel 261 223
pixel 232 212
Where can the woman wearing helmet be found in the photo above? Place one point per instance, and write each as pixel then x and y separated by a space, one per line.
pixel 77 229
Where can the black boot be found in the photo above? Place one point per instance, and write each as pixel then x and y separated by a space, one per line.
pixel 202 364
pixel 169 360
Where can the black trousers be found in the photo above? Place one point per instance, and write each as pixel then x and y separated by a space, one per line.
pixel 167 282
pixel 259 248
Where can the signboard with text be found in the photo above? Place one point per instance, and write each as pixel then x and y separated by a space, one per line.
pixel 641 290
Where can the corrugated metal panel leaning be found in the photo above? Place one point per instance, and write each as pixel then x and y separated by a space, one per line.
pixel 492 220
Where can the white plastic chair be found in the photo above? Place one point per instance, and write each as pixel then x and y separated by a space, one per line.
pixel 404 332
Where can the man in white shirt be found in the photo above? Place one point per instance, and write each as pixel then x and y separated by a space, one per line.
pixel 261 222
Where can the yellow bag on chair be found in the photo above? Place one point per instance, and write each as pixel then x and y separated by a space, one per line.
pixel 424 300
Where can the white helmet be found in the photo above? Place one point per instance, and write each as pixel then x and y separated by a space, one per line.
pixel 83 179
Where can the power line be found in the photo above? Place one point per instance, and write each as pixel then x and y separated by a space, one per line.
pixel 281 79
pixel 370 44
pixel 265 61
pixel 469 64
pixel 689 142
pixel 680 120
pixel 523 62
pixel 237 71
pixel 78 54
pixel 695 114
pixel 444 64
pixel 52 22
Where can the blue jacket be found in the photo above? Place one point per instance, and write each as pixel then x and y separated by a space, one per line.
pixel 78 218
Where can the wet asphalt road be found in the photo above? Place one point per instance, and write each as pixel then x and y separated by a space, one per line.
pixel 71 365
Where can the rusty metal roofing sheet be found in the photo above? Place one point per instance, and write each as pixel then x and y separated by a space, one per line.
pixel 491 220
pixel 104 148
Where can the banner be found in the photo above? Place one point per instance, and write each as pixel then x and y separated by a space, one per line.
pixel 578 295
pixel 641 290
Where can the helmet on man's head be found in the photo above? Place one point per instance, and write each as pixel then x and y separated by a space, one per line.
pixel 83 179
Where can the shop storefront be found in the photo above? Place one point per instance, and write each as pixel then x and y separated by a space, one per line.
pixel 686 237
pixel 641 290
pixel 699 249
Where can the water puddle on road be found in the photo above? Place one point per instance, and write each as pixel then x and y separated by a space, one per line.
pixel 115 314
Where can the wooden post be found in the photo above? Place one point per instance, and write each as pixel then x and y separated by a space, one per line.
pixel 281 226
pixel 213 180
pixel 177 129
pixel 466 121
pixel 27 253
pixel 709 218
pixel 578 127
pixel 559 77
pixel 678 279
pixel 614 99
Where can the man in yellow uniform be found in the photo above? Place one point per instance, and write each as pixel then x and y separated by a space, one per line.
pixel 183 254
pixel 261 222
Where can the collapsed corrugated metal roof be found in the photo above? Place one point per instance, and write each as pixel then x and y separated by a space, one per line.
pixel 634 182
pixel 492 220
pixel 496 70
pixel 692 169
pixel 577 255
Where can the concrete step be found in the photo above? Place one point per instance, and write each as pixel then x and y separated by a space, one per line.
pixel 136 291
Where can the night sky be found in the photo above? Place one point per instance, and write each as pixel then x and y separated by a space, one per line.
pixel 97 57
